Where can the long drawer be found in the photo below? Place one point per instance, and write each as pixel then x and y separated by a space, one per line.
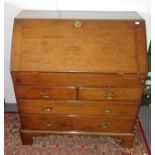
pixel 119 94
pixel 78 123
pixel 30 92
pixel 78 108
pixel 76 79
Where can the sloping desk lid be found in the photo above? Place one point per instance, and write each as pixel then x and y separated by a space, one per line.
pixel 83 45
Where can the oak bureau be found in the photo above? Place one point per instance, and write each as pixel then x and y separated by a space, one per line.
pixel 78 73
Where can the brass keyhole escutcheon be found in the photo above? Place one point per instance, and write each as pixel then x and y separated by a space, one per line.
pixel 77 24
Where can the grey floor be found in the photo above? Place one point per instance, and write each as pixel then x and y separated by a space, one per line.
pixel 144 115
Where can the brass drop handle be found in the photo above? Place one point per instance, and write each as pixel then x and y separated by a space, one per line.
pixel 109 95
pixel 108 110
pixel 105 124
pixel 48 108
pixel 45 94
pixel 49 124
pixel 77 24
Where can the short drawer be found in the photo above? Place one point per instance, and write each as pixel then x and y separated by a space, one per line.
pixel 78 108
pixel 78 123
pixel 118 94
pixel 27 92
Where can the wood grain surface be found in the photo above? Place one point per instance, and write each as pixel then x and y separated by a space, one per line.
pixel 26 92
pixel 108 46
pixel 77 79
pixel 78 123
pixel 51 107
pixel 114 94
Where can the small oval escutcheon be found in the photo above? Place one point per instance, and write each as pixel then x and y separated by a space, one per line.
pixel 77 24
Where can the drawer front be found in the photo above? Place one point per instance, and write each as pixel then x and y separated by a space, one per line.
pixel 26 92
pixel 76 79
pixel 120 94
pixel 78 123
pixel 77 108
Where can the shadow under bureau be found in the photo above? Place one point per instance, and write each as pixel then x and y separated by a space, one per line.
pixel 78 73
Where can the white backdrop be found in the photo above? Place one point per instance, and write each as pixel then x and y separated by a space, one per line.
pixel 13 7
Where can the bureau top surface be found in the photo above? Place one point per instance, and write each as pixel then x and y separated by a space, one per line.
pixel 31 14
pixel 71 45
